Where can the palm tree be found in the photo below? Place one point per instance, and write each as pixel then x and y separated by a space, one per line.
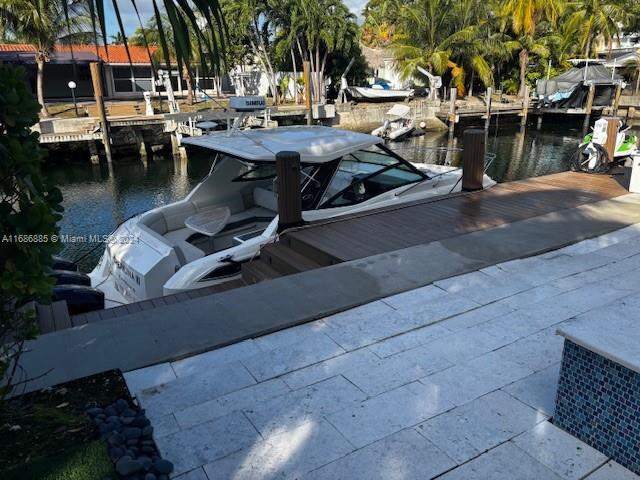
pixel 526 16
pixel 42 24
pixel 591 19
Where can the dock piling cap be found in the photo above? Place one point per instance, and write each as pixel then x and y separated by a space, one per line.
pixel 249 103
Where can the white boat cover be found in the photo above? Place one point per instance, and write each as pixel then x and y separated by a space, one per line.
pixel 399 111
pixel 316 144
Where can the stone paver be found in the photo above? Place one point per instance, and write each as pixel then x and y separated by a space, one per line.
pixel 538 390
pixel 288 455
pixel 401 456
pixel 567 456
pixel 505 462
pixel 455 380
pixel 467 431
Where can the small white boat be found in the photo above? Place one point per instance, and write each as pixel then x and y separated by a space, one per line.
pixel 377 92
pixel 397 124
pixel 203 239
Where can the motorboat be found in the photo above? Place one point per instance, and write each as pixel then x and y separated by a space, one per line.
pixel 591 155
pixel 397 123
pixel 203 240
pixel 379 93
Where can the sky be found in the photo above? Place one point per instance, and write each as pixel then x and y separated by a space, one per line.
pixel 145 8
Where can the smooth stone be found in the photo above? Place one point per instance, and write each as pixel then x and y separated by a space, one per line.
pixel 147 449
pixel 128 413
pixel 110 411
pixel 121 405
pixel 163 466
pixel 113 419
pixel 94 411
pixel 116 439
pixel 127 465
pixel 132 432
pixel 145 461
pixel 132 441
pixel 147 431
pixel 140 421
pixel 101 416
pixel 150 476
pixel 115 453
pixel 128 421
pixel 163 477
pixel 105 428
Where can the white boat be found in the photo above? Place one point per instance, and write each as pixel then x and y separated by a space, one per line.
pixel 203 239
pixel 377 92
pixel 397 123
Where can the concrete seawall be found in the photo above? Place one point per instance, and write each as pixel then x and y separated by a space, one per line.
pixel 367 116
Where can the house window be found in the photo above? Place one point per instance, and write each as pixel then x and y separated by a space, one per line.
pixel 124 82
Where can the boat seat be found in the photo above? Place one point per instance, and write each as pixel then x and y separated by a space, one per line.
pixel 265 198
pixel 179 235
pixel 186 252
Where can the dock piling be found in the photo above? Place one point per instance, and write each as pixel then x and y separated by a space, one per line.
pixel 487 119
pixel 306 77
pixel 473 155
pixel 452 110
pixel 589 106
pixel 525 106
pixel 612 134
pixel 289 194
pixel 96 79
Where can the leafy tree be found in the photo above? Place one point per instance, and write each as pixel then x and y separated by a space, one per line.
pixel 595 19
pixel 43 23
pixel 29 206
pixel 525 17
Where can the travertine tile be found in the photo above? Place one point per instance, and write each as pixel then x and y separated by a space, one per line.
pixel 148 377
pixel 186 391
pixel 483 288
pixel 291 410
pixel 409 340
pixel 477 316
pixel 357 359
pixel 386 414
pixel 215 358
pixel 538 390
pixel 273 363
pixel 397 370
pixel 467 431
pixel 165 425
pixel 402 456
pixel 559 451
pixel 505 462
pixel 416 297
pixel 195 474
pixel 289 455
pixel 225 404
pixel 207 442
pixel 612 471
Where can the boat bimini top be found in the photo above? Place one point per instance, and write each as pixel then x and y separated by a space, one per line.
pixel 316 144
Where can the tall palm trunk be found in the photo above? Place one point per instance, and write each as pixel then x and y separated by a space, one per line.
pixel 318 79
pixel 187 79
pixel 524 62
pixel 295 76
pixel 44 112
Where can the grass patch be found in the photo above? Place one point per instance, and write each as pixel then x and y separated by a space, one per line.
pixel 89 462
pixel 52 423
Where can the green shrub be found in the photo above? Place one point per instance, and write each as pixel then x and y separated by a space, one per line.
pixel 29 211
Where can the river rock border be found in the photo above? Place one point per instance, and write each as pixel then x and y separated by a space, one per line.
pixel 129 436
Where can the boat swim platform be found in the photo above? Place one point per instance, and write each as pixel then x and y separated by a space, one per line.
pixel 451 236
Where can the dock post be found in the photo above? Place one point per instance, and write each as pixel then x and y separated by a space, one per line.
pixel 452 110
pixel 539 120
pixel 306 77
pixel 96 79
pixel 616 100
pixel 525 106
pixel 612 135
pixel 289 194
pixel 142 146
pixel 589 106
pixel 473 155
pixel 487 115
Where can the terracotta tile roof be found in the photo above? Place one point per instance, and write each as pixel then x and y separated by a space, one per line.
pixel 111 54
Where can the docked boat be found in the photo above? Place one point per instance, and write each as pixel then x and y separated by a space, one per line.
pixel 203 239
pixel 379 93
pixel 397 123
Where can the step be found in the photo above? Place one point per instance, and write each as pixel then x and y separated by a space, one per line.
pixel 286 260
pixel 312 253
pixel 257 271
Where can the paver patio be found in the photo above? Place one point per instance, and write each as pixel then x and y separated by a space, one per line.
pixel 455 380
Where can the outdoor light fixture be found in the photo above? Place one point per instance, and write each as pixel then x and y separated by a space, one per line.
pixel 72 85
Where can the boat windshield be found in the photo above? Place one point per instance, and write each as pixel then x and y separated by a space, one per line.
pixel 364 174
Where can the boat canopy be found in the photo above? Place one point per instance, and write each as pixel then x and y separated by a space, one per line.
pixel 399 111
pixel 316 144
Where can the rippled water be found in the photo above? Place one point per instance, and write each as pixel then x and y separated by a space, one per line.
pixel 97 198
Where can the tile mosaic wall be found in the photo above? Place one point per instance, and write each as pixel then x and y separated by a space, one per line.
pixel 598 401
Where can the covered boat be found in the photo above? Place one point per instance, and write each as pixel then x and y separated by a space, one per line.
pixel 397 124
pixel 203 239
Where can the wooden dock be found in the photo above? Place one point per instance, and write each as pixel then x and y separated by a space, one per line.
pixel 356 236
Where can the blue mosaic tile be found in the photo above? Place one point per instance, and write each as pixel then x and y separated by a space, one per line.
pixel 598 401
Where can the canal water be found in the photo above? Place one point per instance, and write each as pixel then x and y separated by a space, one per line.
pixel 97 198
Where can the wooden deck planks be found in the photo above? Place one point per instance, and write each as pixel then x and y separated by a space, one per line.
pixel 392 228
